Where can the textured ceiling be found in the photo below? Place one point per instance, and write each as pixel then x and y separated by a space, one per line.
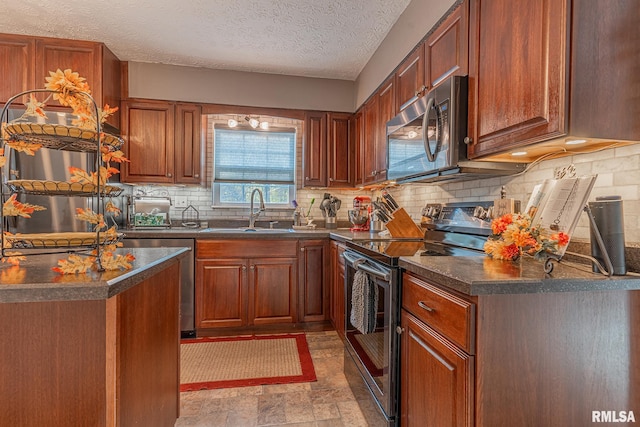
pixel 315 38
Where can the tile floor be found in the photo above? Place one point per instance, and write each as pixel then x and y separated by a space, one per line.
pixel 327 402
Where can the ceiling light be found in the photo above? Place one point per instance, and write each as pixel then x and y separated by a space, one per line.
pixel 519 153
pixel 264 125
pixel 252 122
pixel 232 123
pixel 576 142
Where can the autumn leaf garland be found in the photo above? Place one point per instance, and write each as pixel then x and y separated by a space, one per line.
pixel 72 90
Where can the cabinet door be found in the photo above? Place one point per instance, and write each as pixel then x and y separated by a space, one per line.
pixel 436 379
pixel 341 150
pixel 314 150
pixel 272 290
pixel 357 139
pixel 148 132
pixel 370 144
pixel 337 291
pixel 80 56
pixel 313 289
pixel 517 73
pixel 410 78
pixel 446 50
pixel 386 111
pixel 188 146
pixel 221 293
pixel 17 67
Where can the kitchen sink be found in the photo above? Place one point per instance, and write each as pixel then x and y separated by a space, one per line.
pixel 246 229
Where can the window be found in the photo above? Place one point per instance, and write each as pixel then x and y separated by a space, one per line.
pixel 245 159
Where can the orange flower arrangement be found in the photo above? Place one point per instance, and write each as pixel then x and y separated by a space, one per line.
pixel 514 236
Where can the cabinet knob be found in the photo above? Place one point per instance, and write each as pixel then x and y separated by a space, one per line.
pixel 169 175
pixel 424 306
pixel 197 175
pixel 306 178
pixel 253 267
pixel 399 330
pixel 468 140
pixel 301 249
pixel 330 179
pixel 244 268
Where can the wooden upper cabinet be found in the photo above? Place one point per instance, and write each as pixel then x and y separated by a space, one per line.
pixel 163 141
pixel 26 61
pixel 517 73
pixel 314 150
pixel 357 141
pixel 188 147
pixel 446 50
pixel 17 65
pixel 386 111
pixel 410 78
pixel 148 131
pixel 378 110
pixel 328 153
pixel 80 56
pixel 341 151
pixel 369 143
pixel 605 70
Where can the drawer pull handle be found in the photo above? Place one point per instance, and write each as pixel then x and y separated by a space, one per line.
pixel 421 304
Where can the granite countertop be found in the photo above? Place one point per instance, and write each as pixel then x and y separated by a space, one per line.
pixel 481 275
pixel 340 234
pixel 34 280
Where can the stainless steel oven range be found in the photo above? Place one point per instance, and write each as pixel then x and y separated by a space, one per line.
pixel 373 290
pixel 372 314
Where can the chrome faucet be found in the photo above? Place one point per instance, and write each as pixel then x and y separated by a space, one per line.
pixel 254 215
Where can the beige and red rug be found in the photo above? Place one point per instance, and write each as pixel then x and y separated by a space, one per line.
pixel 209 363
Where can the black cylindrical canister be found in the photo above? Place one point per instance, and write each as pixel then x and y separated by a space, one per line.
pixel 607 213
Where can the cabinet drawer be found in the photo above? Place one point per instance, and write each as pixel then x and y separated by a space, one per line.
pixel 243 248
pixel 446 313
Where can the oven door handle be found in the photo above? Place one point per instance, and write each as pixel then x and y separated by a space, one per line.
pixel 362 264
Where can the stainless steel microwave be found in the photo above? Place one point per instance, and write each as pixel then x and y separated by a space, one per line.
pixel 425 143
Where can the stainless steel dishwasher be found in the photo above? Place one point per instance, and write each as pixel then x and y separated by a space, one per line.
pixel 187 285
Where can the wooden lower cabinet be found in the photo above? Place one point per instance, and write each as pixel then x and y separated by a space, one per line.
pixel 245 282
pixel 437 363
pixel 436 378
pixel 337 312
pixel 543 359
pixel 314 288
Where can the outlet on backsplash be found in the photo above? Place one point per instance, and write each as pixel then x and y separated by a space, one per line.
pixel 180 201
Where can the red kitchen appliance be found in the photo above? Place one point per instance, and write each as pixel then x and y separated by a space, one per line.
pixel 359 215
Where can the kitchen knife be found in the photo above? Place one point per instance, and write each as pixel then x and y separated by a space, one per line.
pixel 391 202
pixel 382 216
pixel 382 207
pixel 387 208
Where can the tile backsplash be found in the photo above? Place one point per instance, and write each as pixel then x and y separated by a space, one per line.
pixel 618 171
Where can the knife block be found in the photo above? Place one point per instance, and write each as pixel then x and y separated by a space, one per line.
pixel 403 226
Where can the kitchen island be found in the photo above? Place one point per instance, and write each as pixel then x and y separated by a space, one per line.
pixel 94 349
pixel 511 345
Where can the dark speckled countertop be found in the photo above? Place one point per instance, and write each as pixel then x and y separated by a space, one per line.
pixel 340 234
pixel 34 280
pixel 470 275
pixel 482 275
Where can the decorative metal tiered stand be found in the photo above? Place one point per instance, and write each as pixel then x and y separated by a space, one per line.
pixel 23 133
